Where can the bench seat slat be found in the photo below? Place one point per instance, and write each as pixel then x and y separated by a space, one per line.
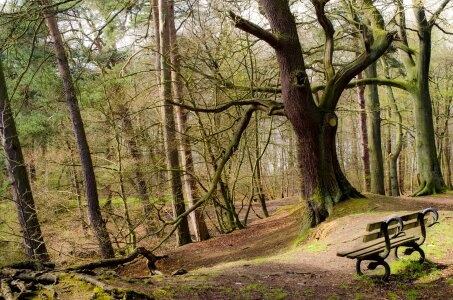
pixel 394 245
pixel 352 253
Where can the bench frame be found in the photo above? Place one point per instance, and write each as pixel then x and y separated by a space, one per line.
pixel 412 244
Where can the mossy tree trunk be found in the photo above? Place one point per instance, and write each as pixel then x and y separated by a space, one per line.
pixel 323 183
pixel 35 248
pixel 374 134
pixel 417 76
pixel 364 135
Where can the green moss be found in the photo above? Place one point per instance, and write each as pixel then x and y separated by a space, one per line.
pixel 353 206
pixel 163 294
pixel 392 296
pixel 315 246
pixel 412 294
pixel 301 237
pixel 250 291
pixel 100 294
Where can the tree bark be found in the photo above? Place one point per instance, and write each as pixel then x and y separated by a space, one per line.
pixel 417 77
pixel 398 120
pixel 431 180
pixel 35 248
pixel 364 135
pixel 197 219
pixel 374 134
pixel 94 211
pixel 170 141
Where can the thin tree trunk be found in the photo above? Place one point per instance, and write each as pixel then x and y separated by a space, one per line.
pixel 447 158
pixel 197 219
pixel 76 187
pixel 398 120
pixel 139 178
pixel 364 135
pixel 94 210
pixel 170 141
pixel 374 134
pixel 35 248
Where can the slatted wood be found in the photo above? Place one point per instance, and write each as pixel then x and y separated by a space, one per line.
pixel 394 245
pixel 371 245
pixel 391 231
pixel 377 225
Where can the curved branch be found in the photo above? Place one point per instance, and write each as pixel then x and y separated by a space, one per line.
pixel 269 106
pixel 254 29
pixel 232 147
pixel 328 32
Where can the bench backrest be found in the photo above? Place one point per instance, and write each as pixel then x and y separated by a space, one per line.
pixel 394 225
pixel 376 230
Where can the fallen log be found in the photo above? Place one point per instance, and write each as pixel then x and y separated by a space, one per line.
pixel 31 265
pixel 37 277
pixel 113 262
pixel 112 290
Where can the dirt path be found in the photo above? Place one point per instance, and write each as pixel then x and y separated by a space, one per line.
pixel 262 262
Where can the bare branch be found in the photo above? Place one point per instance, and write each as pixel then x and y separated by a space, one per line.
pixel 436 14
pixel 254 29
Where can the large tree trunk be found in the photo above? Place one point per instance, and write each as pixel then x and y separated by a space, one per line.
pixel 364 135
pixel 315 129
pixel 94 210
pixel 35 248
pixel 170 141
pixel 323 182
pixel 197 219
pixel 374 134
pixel 431 180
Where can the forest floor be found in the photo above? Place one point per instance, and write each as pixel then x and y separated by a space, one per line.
pixel 270 259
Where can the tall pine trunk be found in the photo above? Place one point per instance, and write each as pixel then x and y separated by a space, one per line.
pixel 197 219
pixel 170 141
pixel 94 211
pixel 35 248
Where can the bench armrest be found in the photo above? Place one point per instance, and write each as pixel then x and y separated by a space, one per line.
pixel 384 229
pixel 421 219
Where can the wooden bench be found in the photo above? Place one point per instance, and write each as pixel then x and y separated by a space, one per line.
pixel 390 234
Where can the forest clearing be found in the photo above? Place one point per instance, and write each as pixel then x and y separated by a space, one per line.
pixel 271 259
pixel 250 149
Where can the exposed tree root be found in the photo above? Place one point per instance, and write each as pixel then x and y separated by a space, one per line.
pixel 6 290
pixel 428 188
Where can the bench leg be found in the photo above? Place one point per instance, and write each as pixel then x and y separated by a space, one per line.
pixel 410 250
pixel 372 266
